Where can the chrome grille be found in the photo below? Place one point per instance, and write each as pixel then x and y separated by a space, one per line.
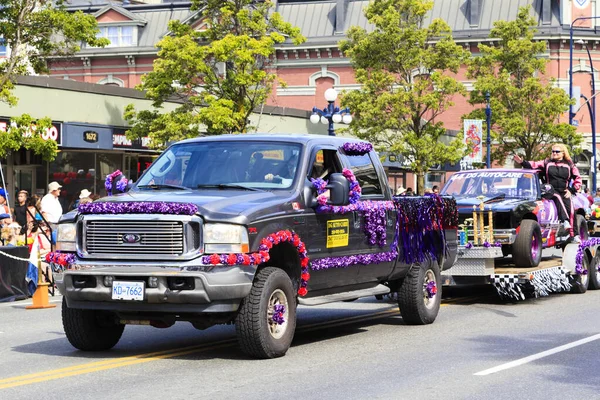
pixel 152 237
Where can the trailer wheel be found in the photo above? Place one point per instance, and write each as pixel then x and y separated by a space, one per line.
pixel 261 333
pixel 594 273
pixel 420 294
pixel 527 249
pixel 91 330
pixel 581 282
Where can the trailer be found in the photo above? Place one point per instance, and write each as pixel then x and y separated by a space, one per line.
pixel 576 271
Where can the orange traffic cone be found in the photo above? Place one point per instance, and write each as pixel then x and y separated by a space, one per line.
pixel 40 297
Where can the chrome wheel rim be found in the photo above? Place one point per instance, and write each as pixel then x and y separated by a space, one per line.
pixel 277 330
pixel 429 301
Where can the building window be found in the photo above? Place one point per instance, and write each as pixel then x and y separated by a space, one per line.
pixel 119 36
pixel 2 47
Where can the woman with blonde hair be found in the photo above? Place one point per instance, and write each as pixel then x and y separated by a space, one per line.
pixel 559 171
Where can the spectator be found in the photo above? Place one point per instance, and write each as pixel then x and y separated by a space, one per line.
pixel 435 189
pixel 597 197
pixel 21 210
pixel 3 206
pixel 51 208
pixel 84 197
pixel 409 192
pixel 588 195
pixel 400 191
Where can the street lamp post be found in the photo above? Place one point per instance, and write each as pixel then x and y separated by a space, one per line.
pixel 592 115
pixel 593 98
pixel 488 121
pixel 331 114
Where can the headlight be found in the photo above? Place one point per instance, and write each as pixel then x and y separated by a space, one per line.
pixel 66 233
pixel 225 238
pixel 66 237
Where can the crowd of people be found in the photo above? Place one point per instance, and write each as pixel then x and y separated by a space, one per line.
pixel 33 218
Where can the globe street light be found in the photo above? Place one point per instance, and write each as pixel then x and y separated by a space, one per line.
pixel 331 114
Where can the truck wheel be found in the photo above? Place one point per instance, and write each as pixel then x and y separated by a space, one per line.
pixel 581 227
pixel 90 330
pixel 419 303
pixel 580 282
pixel 265 329
pixel 527 249
pixel 594 273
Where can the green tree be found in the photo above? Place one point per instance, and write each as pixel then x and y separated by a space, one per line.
pixel 32 31
pixel 405 69
pixel 526 105
pixel 220 75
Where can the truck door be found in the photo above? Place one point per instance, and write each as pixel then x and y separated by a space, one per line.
pixel 329 235
pixel 373 182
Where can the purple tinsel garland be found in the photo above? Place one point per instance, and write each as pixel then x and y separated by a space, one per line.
pixel 357 148
pixel 579 270
pixel 278 312
pixel 346 261
pixel 140 207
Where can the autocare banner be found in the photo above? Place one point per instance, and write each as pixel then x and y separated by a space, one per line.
pixel 473 137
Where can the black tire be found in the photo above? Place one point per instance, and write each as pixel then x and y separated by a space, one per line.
pixel 581 227
pixel 416 307
pixel 594 273
pixel 258 335
pixel 581 282
pixel 91 330
pixel 523 252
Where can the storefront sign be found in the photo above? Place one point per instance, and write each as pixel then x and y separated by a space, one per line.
pixel 90 136
pixel 84 136
pixel 52 133
pixel 120 141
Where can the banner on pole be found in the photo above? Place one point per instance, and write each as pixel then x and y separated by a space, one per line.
pixel 473 137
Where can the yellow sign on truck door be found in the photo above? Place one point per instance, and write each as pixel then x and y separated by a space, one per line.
pixel 337 233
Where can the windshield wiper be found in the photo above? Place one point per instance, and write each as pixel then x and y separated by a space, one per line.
pixel 163 186
pixel 228 186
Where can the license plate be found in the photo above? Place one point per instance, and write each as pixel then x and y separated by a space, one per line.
pixel 122 290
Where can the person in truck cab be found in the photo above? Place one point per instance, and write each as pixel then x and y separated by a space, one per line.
pixel 559 170
pixel 286 175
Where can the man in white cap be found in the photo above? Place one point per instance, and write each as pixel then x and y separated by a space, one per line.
pixel 51 208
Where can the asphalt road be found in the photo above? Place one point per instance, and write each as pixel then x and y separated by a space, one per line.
pixel 359 350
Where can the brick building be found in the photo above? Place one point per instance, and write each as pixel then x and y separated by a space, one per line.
pixel 316 65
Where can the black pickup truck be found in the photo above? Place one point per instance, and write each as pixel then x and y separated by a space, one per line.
pixel 243 228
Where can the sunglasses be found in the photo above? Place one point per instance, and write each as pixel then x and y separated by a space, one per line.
pixel 557 151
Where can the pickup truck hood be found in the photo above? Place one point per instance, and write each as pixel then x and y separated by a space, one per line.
pixel 228 204
pixel 497 203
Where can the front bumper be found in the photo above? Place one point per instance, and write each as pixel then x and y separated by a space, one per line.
pixel 214 288
pixel 505 236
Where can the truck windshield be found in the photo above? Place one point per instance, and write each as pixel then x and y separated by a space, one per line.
pixel 227 164
pixel 510 184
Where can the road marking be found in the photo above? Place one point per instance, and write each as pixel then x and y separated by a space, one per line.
pixel 537 356
pixel 27 303
pixel 103 365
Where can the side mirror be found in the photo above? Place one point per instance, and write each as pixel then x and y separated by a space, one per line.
pixel 338 188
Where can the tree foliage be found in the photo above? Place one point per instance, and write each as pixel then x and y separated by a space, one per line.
pixel 526 105
pixel 32 31
pixel 405 69
pixel 220 74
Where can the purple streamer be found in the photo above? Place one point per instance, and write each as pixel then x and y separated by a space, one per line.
pixel 579 270
pixel 357 148
pixel 347 261
pixel 140 207
pixel 278 312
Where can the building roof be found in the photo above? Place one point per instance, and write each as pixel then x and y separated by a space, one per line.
pixel 324 22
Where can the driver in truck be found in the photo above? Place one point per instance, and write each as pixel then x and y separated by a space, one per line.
pixel 559 170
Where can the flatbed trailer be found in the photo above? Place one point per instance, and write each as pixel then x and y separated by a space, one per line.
pixel 576 271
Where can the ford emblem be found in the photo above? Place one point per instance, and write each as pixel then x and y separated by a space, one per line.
pixel 131 238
